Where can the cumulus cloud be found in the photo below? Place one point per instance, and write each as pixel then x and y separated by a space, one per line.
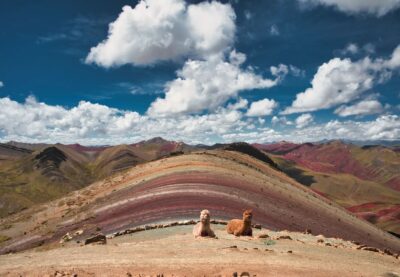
pixel 373 7
pixel 341 81
pixel 155 31
pixel 304 120
pixel 262 107
pixel 99 124
pixel 239 105
pixel 95 124
pixel 384 127
pixel 282 120
pixel 364 107
pixel 207 84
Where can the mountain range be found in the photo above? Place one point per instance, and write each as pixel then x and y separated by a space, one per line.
pixel 365 180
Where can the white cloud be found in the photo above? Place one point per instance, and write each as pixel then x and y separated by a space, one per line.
pixel 351 48
pixel 98 124
pixel 384 127
pixel 282 120
pixel 95 124
pixel 239 105
pixel 369 48
pixel 364 107
pixel 374 7
pixel 274 31
pixel 1 84
pixel 304 120
pixel 156 30
pixel 340 81
pixel 207 84
pixel 262 107
pixel 248 14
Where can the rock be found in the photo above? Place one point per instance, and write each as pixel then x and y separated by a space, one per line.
pixel 257 226
pixel 213 221
pixel 361 246
pixel 187 222
pixel 99 239
pixel 290 251
pixel 235 274
pixel 373 249
pixel 65 238
pixel 79 232
pixel 328 244
pixel 320 240
pixel 367 248
pixel 284 237
pixel 307 231
pixel 388 252
pixel 263 236
pixel 245 274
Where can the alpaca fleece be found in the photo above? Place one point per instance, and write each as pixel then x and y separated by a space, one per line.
pixel 203 228
pixel 240 227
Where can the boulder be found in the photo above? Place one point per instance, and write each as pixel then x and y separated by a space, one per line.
pixel 98 239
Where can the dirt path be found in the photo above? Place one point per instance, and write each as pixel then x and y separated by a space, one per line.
pixel 174 252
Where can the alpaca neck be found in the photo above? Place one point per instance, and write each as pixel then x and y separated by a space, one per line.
pixel 246 223
pixel 204 225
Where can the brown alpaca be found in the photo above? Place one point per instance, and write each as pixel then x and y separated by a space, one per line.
pixel 239 227
pixel 203 229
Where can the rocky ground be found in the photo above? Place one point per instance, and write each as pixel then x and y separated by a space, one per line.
pixel 173 251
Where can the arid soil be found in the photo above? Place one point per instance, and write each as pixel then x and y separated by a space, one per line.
pixel 174 251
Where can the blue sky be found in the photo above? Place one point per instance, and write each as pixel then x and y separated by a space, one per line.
pixel 201 72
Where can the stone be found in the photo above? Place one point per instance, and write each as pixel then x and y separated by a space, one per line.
pixel 284 237
pixel 263 236
pixel 98 239
pixel 65 238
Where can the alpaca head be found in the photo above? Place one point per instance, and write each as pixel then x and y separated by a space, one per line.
pixel 205 216
pixel 247 215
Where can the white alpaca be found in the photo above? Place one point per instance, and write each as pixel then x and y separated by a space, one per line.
pixel 203 229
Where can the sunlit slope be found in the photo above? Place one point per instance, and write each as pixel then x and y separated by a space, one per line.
pixel 364 180
pixel 225 182
pixel 40 173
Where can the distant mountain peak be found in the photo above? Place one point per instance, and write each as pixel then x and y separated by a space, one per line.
pixel 157 140
pixel 51 154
